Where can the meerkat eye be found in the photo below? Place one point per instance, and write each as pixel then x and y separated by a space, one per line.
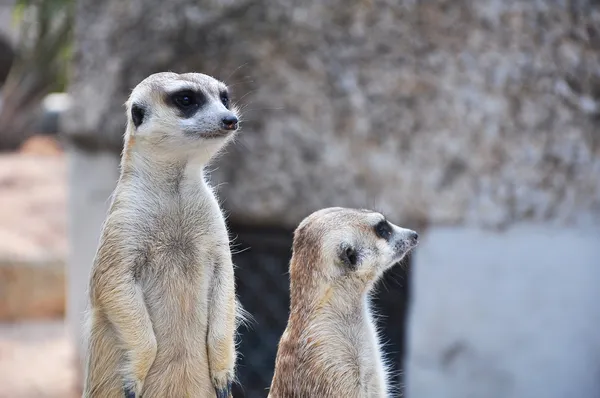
pixel 383 230
pixel 185 99
pixel 225 99
pixel 349 257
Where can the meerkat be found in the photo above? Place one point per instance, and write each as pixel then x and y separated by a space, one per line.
pixel 163 310
pixel 330 346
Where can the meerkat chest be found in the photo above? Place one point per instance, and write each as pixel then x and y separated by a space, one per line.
pixel 183 242
pixel 361 341
pixel 373 372
pixel 182 237
pixel 187 222
pixel 188 236
pixel 360 347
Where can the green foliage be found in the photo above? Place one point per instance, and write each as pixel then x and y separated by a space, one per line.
pixel 45 38
pixel 43 57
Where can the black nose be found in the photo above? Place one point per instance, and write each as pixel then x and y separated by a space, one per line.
pixel 414 236
pixel 230 122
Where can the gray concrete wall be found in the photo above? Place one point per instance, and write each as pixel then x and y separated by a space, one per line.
pixel 447 112
pixel 508 315
pixel 92 178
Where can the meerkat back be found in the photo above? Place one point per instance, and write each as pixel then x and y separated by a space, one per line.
pixel 162 318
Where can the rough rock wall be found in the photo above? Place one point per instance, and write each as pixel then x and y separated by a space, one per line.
pixel 436 111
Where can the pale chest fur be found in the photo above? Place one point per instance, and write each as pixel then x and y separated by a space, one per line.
pixel 348 348
pixel 180 238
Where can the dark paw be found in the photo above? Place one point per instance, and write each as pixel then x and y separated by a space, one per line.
pixel 129 392
pixel 224 392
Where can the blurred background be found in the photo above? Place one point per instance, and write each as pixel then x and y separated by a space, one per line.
pixel 477 123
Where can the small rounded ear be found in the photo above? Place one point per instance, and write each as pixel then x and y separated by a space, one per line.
pixel 137 114
pixel 349 257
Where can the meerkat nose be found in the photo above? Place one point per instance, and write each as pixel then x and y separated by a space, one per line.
pixel 230 122
pixel 413 236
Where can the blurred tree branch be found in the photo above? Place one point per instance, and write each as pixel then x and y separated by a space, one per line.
pixel 43 55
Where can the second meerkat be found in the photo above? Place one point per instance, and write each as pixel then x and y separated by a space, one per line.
pixel 163 310
pixel 330 347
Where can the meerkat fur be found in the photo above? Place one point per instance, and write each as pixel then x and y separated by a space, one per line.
pixel 163 311
pixel 330 347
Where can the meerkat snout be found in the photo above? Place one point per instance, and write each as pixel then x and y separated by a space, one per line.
pixel 401 239
pixel 230 122
pixel 415 237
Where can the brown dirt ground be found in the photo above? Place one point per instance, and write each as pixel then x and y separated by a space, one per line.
pixel 37 361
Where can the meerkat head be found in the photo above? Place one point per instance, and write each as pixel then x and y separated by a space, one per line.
pixel 337 244
pixel 181 112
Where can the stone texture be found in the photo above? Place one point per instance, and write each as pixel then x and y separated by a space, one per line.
pixel 441 111
pixel 32 236
pixel 509 315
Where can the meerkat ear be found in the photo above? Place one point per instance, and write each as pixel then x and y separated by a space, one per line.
pixel 349 257
pixel 137 114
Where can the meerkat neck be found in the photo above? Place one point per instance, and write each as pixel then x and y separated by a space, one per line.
pixel 338 299
pixel 164 172
pixel 306 291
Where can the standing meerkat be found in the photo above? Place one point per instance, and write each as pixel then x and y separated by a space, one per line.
pixel 163 309
pixel 330 347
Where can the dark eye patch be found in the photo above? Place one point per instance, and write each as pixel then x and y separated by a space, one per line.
pixel 224 98
pixel 186 101
pixel 383 230
pixel 137 115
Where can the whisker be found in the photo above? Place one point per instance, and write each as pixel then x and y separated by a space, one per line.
pixel 235 70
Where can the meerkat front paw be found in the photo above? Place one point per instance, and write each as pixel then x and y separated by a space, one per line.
pixel 132 389
pixel 137 368
pixel 133 383
pixel 223 385
pixel 133 386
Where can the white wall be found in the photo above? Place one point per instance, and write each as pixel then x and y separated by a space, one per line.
pixel 92 178
pixel 507 315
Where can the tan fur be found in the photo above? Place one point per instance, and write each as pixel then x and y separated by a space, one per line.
pixel 163 306
pixel 330 347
